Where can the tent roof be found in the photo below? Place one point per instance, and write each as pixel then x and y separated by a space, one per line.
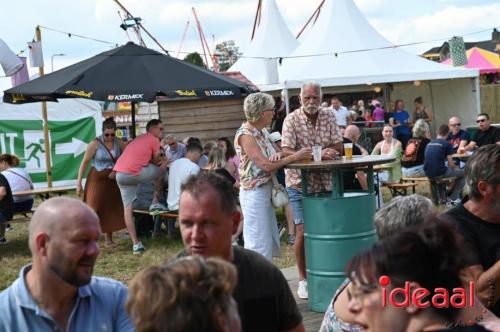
pixel 485 61
pixel 341 29
pixel 272 39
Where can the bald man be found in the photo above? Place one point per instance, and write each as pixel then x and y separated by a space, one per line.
pixel 354 180
pixel 57 291
pixel 457 137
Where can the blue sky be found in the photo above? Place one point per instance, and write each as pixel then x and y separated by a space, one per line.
pixel 397 20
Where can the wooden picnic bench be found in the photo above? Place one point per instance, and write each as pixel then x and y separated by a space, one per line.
pixel 166 214
pixel 400 189
pixel 45 193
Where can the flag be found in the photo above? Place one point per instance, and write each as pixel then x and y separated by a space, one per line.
pixel 9 61
pixel 457 51
pixel 22 75
pixel 36 54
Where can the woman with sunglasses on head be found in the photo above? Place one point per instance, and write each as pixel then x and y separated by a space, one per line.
pixel 101 191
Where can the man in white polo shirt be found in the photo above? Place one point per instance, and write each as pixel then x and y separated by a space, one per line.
pixel 341 113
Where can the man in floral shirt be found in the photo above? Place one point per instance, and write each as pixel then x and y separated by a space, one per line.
pixel 308 126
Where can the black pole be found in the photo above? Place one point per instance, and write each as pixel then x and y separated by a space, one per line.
pixel 132 134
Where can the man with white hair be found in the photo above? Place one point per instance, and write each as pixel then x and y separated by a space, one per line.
pixel 308 126
pixel 57 291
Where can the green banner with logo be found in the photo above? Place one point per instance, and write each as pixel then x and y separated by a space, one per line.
pixel 68 142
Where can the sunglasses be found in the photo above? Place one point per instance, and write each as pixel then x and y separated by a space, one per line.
pixel 108 135
pixel 172 144
pixel 456 125
pixel 480 120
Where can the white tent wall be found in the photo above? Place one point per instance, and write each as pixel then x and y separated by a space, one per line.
pixel 446 98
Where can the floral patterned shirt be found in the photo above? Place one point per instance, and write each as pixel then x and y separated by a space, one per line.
pixel 251 176
pixel 331 323
pixel 299 132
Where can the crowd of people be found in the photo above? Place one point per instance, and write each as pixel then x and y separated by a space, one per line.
pixel 224 188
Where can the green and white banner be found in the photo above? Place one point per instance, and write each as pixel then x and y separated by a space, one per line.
pixel 72 125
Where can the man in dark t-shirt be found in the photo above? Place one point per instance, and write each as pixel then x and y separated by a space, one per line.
pixel 478 222
pixel 458 138
pixel 437 153
pixel 487 134
pixel 354 180
pixel 6 206
pixel 208 218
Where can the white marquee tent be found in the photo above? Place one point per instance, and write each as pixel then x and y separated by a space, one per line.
pixel 325 55
pixel 272 40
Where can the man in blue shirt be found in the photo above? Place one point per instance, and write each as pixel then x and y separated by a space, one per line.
pixel 57 292
pixel 400 121
pixel 438 162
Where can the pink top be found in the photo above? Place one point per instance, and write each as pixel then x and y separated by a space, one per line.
pixel 137 154
pixel 378 114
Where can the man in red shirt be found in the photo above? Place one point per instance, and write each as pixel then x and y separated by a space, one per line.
pixel 142 160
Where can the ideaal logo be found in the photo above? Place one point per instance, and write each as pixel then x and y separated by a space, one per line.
pixel 186 93
pixel 80 93
pixel 214 93
pixel 423 298
pixel 125 97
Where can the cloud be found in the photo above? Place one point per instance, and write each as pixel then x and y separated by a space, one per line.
pixel 445 23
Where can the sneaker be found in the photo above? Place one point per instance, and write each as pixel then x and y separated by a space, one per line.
pixel 138 248
pixel 302 290
pixel 156 209
pixel 8 227
pixel 291 239
pixel 3 240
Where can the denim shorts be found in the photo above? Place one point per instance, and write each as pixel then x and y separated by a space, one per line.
pixel 295 201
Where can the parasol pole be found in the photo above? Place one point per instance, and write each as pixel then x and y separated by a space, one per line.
pixel 38 37
pixel 132 134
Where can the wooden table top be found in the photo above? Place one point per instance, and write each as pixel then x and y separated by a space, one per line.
pixel 356 161
pixel 38 191
pixel 461 155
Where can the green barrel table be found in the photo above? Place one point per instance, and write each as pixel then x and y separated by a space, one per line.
pixel 337 225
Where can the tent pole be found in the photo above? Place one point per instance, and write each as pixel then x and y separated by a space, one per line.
pixel 477 91
pixel 287 102
pixel 132 134
pixel 433 129
pixel 38 36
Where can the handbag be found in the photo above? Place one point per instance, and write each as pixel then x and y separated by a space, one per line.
pixel 279 195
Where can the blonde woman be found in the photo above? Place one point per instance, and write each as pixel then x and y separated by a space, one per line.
pixel 259 158
pixel 389 146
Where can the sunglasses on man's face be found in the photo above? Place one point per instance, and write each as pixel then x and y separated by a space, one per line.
pixel 108 135
pixel 456 125
pixel 480 120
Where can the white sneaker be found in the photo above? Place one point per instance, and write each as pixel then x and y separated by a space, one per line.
pixel 302 290
pixel 138 248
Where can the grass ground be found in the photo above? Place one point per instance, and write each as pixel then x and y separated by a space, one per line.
pixel 117 263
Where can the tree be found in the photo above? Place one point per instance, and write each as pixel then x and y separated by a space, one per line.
pixel 226 54
pixel 195 59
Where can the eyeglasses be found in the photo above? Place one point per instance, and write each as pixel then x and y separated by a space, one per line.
pixel 358 293
pixel 480 120
pixel 456 125
pixel 269 110
pixel 108 135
